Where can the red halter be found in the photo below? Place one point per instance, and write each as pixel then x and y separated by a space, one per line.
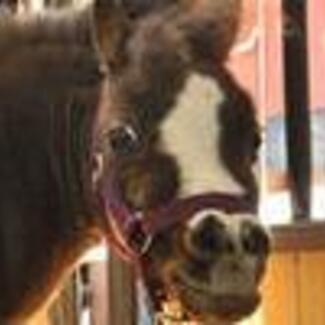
pixel 133 231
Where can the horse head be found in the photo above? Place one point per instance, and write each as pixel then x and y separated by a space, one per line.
pixel 176 141
pixel 129 126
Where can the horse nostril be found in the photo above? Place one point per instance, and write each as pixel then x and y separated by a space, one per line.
pixel 208 237
pixel 255 240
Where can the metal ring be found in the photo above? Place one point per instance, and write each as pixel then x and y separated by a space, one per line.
pixel 146 245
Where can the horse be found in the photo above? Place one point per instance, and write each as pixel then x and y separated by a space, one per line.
pixel 126 125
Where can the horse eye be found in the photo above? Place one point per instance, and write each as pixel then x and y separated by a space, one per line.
pixel 124 140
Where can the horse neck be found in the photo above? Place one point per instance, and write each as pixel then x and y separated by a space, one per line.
pixel 46 114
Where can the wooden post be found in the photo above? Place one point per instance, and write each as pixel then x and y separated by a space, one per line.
pixel 121 288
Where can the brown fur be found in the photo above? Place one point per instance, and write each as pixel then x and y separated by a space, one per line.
pixel 53 115
pixel 46 108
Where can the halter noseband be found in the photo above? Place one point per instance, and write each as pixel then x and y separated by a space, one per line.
pixel 133 231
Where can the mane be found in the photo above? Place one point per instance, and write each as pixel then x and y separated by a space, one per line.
pixel 56 27
pixel 51 49
pixel 49 88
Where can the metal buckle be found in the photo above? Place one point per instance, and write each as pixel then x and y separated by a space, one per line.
pixel 146 245
pixel 139 240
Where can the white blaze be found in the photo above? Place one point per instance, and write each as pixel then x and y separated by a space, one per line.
pixel 191 134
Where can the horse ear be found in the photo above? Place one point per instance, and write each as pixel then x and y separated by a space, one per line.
pixel 210 28
pixel 111 25
pixel 114 21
